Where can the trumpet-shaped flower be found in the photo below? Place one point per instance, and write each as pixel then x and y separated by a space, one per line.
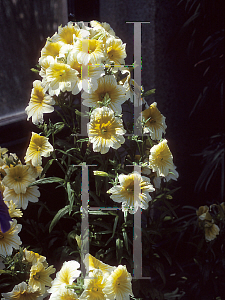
pixel 105 130
pixel 40 276
pixel 93 286
pixel 18 178
pixel 107 90
pixel 67 33
pixel 50 49
pixel 38 147
pixel 23 291
pixel 87 74
pixel 10 239
pixel 14 212
pixel 39 104
pixel 101 31
pixel 89 51
pixel 35 171
pixel 61 77
pixel 133 191
pixel 91 263
pixel 21 200
pixel 154 122
pixel 66 275
pixel 115 50
pixel 118 285
pixel 161 159
pixel 34 257
pixel 64 294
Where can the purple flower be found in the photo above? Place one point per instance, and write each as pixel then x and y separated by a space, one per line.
pixel 4 216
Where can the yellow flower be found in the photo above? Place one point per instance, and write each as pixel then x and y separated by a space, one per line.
pixel 39 104
pixel 103 28
pixel 105 130
pixel 118 285
pixel 66 275
pixel 34 257
pixel 23 291
pixel 205 219
pixel 3 151
pixel 35 171
pixel 161 159
pixel 154 122
pixel 38 147
pixel 93 287
pixel 89 51
pixel 92 263
pixel 64 294
pixel 87 75
pixel 66 34
pixel 115 50
pixel 10 239
pixel 50 49
pixel 14 212
pixel 21 200
pixel 61 77
pixel 40 276
pixel 18 178
pixel 107 89
pixel 133 192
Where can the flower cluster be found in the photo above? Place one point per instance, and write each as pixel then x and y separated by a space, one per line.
pixel 38 272
pixel 207 216
pixel 101 282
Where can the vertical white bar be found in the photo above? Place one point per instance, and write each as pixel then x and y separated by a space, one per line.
pixel 84 219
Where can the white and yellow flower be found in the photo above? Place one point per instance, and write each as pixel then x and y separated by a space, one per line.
pixel 33 258
pixel 105 130
pixel 39 104
pixel 60 77
pixel 133 191
pixel 40 276
pixel 68 273
pixel 67 33
pixel 93 286
pixel 107 89
pixel 87 74
pixel 64 294
pixel 14 212
pixel 50 49
pixel 89 51
pixel 39 146
pixel 118 284
pixel 21 199
pixel 153 122
pixel 10 239
pixel 161 159
pixel 91 263
pixel 23 291
pixel 18 178
pixel 115 51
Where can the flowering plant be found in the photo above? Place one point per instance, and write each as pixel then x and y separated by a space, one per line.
pixel 91 159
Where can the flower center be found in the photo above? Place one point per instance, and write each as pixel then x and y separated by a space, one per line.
pixel 1 235
pixel 36 277
pixel 94 289
pixel 103 130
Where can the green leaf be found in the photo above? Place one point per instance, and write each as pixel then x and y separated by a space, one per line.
pixel 47 180
pixel 148 93
pixel 58 127
pixel 70 193
pixel 62 212
pixel 119 249
pixel 125 238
